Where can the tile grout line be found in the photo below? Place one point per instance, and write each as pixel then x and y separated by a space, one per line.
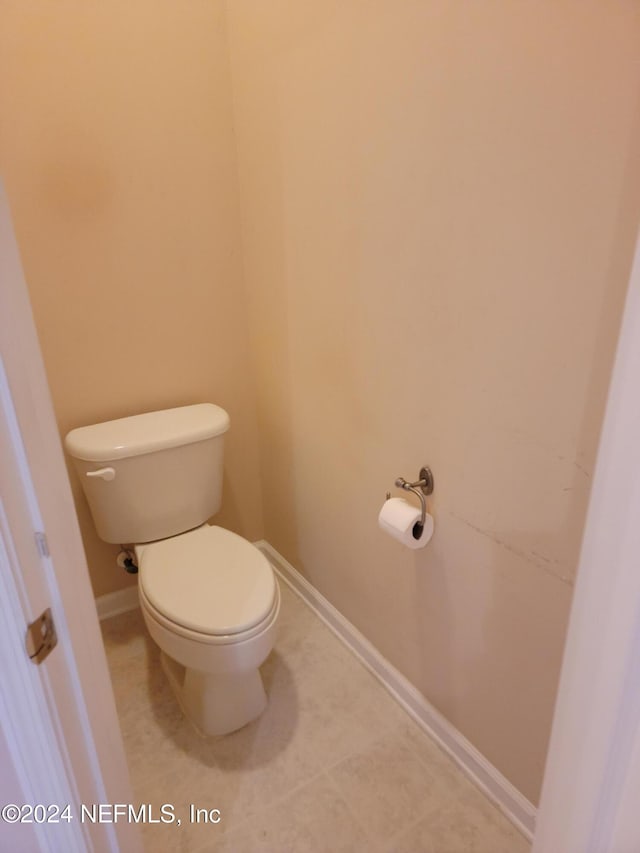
pixel 251 823
pixel 396 835
pixel 356 817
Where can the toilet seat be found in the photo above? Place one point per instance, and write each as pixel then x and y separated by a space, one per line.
pixel 208 584
pixel 209 639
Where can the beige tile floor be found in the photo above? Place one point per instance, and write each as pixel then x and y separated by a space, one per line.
pixel 333 764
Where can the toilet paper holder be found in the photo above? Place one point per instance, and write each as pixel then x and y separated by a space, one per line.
pixel 422 487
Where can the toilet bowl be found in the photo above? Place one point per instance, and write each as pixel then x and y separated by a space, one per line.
pixel 209 598
pixel 210 601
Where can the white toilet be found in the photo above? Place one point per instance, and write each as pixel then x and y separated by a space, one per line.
pixel 209 598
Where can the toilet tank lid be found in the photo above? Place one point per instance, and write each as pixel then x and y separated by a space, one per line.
pixel 146 433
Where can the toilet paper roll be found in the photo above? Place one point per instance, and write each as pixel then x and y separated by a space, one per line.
pixel 401 520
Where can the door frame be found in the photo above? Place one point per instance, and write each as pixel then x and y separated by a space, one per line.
pixel 69 695
pixel 589 795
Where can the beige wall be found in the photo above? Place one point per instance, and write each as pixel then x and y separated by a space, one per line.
pixel 438 218
pixel 117 150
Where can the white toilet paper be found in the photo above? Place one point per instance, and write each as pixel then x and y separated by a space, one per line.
pixel 398 518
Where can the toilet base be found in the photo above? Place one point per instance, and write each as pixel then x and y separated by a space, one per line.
pixel 216 704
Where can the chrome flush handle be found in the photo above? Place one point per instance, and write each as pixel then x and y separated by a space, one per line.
pixel 103 473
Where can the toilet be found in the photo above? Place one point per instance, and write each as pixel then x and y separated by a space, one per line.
pixel 209 598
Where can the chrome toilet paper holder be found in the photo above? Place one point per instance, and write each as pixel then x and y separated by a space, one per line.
pixel 421 488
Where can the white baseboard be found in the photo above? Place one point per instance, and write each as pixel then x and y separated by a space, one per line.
pixel 474 765
pixel 114 603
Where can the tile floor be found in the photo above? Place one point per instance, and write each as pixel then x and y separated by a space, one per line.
pixel 333 764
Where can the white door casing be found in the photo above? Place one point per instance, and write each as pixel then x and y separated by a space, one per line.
pixel 60 716
pixel 28 709
pixel 590 793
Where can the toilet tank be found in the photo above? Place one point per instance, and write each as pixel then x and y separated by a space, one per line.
pixel 154 475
